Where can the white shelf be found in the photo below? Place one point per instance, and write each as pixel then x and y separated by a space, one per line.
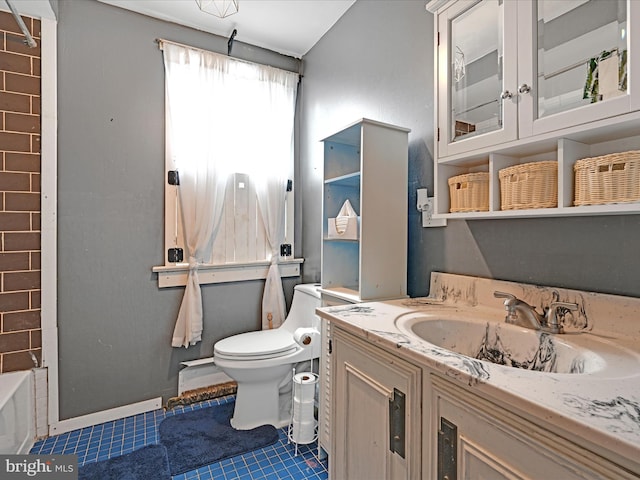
pixel 565 150
pixel 349 180
pixel 587 210
pixel 354 240
pixel 350 295
pixel 367 164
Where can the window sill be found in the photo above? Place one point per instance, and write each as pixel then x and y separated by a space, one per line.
pixel 176 275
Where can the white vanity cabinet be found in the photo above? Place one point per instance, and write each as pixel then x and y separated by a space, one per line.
pixel 472 438
pixel 451 429
pixel 514 79
pixel 367 164
pixel 376 421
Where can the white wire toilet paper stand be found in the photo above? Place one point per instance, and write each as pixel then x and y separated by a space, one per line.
pixel 292 426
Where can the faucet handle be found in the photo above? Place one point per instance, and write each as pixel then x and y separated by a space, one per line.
pixel 508 296
pixel 552 315
pixel 509 305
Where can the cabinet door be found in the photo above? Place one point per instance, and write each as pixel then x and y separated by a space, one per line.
pixel 477 72
pixel 574 62
pixel 475 439
pixel 372 436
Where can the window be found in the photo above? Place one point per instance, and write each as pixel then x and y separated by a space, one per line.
pixel 239 116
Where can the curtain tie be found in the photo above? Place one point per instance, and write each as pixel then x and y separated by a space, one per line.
pixel 193 264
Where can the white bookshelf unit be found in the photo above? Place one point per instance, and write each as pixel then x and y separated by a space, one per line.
pixel 366 163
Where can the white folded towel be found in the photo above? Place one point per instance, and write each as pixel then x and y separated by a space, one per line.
pixel 342 219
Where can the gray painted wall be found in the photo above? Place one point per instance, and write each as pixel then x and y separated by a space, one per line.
pixel 115 324
pixel 377 62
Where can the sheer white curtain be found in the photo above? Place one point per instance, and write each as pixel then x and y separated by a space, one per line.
pixel 279 92
pixel 190 75
pixel 227 116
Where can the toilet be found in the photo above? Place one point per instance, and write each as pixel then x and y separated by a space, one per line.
pixel 262 363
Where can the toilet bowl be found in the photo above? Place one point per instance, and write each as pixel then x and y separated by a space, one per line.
pixel 262 363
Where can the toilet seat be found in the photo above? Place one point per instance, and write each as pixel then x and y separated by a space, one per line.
pixel 258 345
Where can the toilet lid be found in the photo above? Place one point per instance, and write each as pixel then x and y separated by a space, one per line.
pixel 257 344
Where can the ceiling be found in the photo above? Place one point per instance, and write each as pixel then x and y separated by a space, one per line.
pixel 290 27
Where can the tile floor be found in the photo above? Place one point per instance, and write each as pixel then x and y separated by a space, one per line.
pixel 112 439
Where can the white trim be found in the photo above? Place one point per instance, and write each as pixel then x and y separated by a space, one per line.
pixel 49 205
pixel 435 5
pixel 197 363
pixel 176 275
pixel 103 416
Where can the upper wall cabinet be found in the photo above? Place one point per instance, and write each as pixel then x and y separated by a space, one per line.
pixel 512 69
pixel 516 77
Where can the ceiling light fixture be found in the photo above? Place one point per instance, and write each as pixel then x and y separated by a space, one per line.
pixel 219 8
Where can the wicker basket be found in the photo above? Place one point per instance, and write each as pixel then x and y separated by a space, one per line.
pixel 529 185
pixel 469 192
pixel 613 178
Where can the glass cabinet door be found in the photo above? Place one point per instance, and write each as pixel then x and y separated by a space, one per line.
pixel 476 80
pixel 476 62
pixel 580 54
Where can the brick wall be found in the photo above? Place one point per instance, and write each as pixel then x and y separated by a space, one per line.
pixel 20 327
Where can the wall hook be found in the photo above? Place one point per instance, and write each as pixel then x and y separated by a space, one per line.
pixel 230 42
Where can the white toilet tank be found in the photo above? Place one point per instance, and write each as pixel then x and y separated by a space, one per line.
pixel 306 298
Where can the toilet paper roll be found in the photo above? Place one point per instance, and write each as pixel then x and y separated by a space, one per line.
pixel 305 337
pixel 303 422
pixel 304 395
pixel 304 432
pixel 305 378
pixel 303 412
pixel 304 387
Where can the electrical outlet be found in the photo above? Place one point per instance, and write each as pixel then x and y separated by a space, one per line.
pixel 427 216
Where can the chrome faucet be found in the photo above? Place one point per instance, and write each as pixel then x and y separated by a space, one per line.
pixel 524 315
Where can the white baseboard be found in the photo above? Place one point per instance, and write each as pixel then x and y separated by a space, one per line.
pixel 103 416
pixel 25 448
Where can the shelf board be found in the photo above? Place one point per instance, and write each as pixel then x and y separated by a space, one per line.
pixel 350 179
pixel 606 209
pixel 594 132
pixel 348 240
pixel 350 294
pixel 350 135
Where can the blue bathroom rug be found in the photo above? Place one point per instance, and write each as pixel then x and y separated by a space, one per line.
pixel 205 436
pixel 147 463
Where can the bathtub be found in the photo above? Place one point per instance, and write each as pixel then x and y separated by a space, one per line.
pixel 17 412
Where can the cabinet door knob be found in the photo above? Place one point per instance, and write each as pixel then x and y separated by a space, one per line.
pixel 524 88
pixel 506 94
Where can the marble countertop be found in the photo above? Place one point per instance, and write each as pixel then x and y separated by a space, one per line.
pixel 600 410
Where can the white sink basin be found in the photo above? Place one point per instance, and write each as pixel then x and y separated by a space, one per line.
pixel 516 347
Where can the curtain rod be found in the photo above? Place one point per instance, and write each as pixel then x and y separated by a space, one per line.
pixel 160 41
pixel 29 39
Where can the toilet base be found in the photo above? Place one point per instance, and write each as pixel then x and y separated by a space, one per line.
pixel 259 403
